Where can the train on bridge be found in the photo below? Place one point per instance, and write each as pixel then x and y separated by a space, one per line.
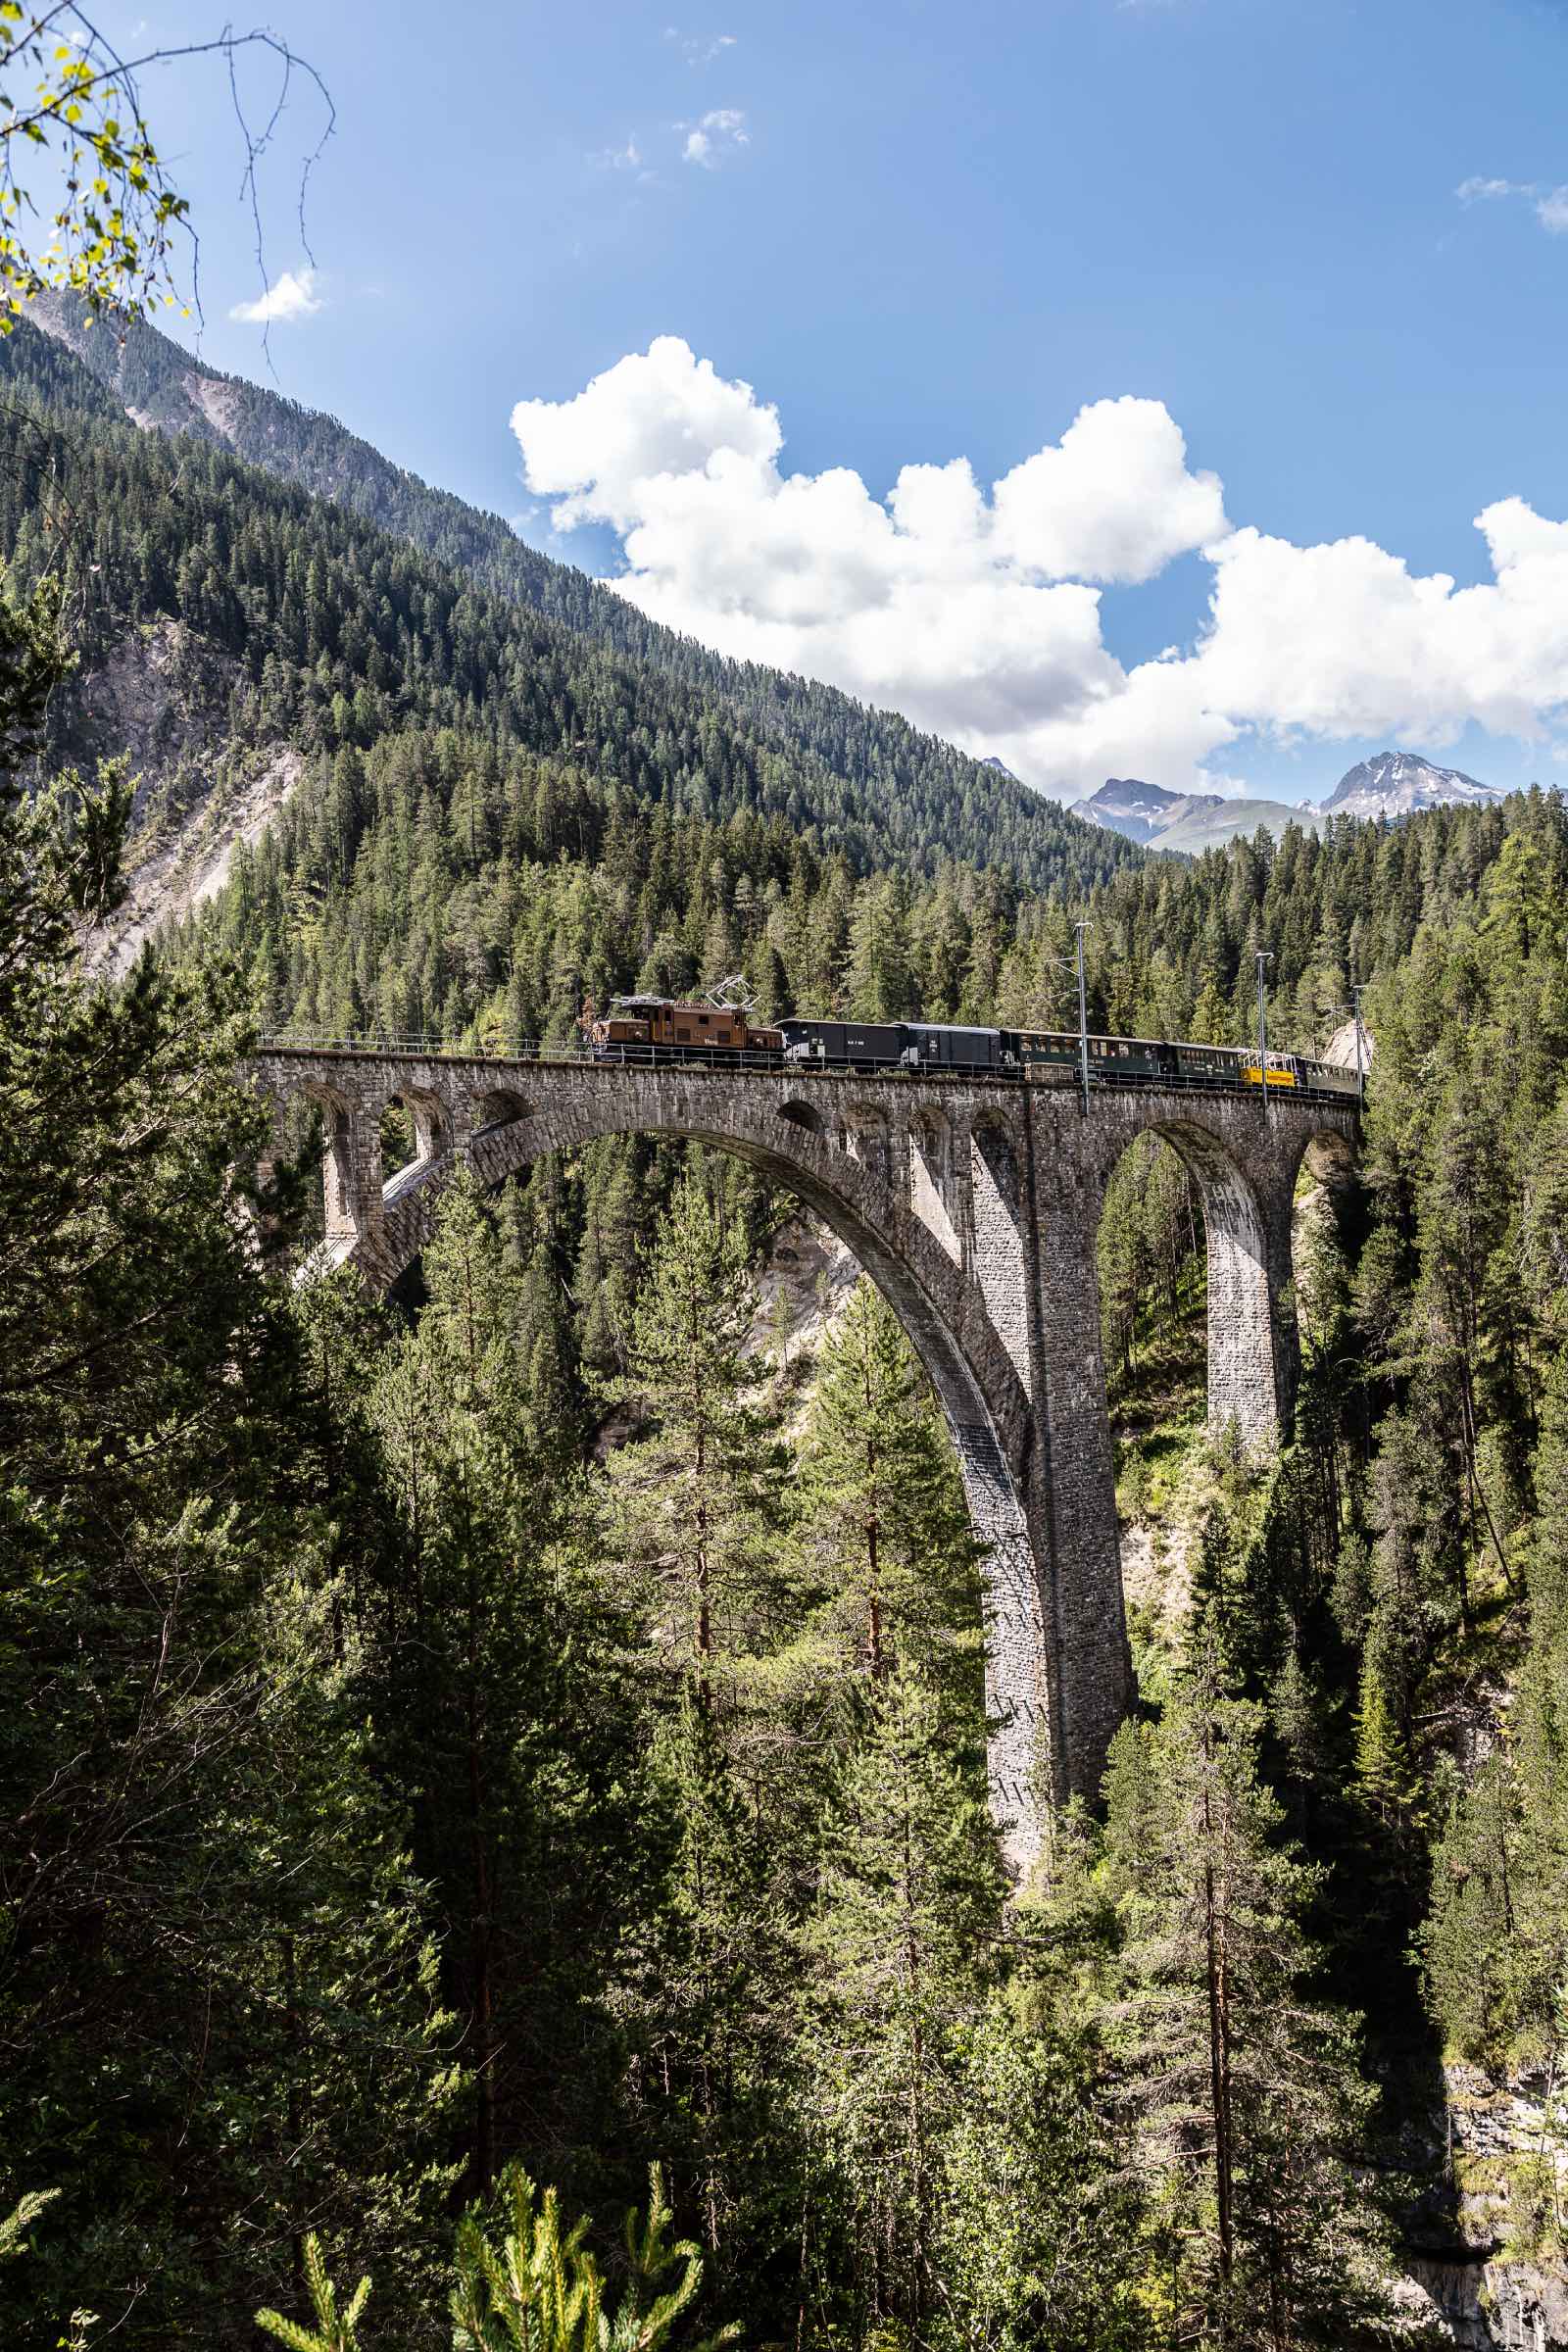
pixel 661 1032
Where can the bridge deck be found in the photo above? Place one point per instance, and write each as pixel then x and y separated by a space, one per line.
pixel 723 1062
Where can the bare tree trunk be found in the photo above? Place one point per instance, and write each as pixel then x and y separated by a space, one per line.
pixel 1467 1398
pixel 484 2143
pixel 1219 2055
pixel 296 2120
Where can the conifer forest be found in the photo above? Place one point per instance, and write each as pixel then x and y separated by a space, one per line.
pixel 494 1836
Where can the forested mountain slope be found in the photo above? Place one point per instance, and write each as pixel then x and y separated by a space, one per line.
pixel 427 884
pixel 926 795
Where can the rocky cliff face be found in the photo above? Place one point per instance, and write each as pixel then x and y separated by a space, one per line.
pixel 177 864
pixel 803 1291
pixel 1340 1052
pixel 1496 2155
pixel 161 699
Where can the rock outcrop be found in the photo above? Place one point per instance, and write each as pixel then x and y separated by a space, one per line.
pixel 1495 2150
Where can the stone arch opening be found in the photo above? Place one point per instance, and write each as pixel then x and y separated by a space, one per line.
pixel 1187 1333
pixel 935 1191
pixel 1244 1372
pixel 1151 1261
pixel 1327 1213
pixel 971 1372
pixel 414 1127
pixel 946 1353
pixel 1246 1300
pixel 499 1108
pixel 1181 1226
pixel 343 1173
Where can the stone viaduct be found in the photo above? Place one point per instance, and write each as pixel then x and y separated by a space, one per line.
pixel 973 1203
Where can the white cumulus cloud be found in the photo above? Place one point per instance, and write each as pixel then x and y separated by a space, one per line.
pixel 721 132
pixel 978 610
pixel 659 412
pixel 1112 500
pixel 289 297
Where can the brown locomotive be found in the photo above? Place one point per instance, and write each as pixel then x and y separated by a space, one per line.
pixel 649 1021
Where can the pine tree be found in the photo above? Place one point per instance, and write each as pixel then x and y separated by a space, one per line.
pixel 334 2330
pixel 709 2014
pixel 1247 2094
pixel 1496 1946
pixel 523 2284
pixel 696 1502
pixel 696 1514
pixel 1382 1768
pixel 887 1536
pixel 880 980
pixel 218 2012
pixel 904 1940
pixel 507 1710
pixel 1037 2217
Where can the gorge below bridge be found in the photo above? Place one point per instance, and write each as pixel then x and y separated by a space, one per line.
pixel 973 1202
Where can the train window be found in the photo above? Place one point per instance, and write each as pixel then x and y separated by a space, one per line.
pixel 702 1020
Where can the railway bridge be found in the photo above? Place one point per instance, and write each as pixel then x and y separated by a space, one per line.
pixel 973 1202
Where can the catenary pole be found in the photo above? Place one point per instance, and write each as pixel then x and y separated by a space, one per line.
pixel 1266 957
pixel 1083 1017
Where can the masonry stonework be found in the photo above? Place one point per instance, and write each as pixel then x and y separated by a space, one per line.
pixel 974 1206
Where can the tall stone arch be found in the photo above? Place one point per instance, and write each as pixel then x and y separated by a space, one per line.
pixel 1244 1155
pixel 846 1162
pixel 1248 1379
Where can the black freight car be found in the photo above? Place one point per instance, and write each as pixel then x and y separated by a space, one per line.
pixel 948 1046
pixel 845 1044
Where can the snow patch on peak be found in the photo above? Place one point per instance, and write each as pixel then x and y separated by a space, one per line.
pixel 1126 805
pixel 1396 783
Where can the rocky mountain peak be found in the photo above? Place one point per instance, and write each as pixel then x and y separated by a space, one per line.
pixel 1396 783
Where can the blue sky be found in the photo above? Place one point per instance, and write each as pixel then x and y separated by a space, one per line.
pixel 926 232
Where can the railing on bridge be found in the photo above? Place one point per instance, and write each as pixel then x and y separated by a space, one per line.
pixel 534 1050
pixel 413 1041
